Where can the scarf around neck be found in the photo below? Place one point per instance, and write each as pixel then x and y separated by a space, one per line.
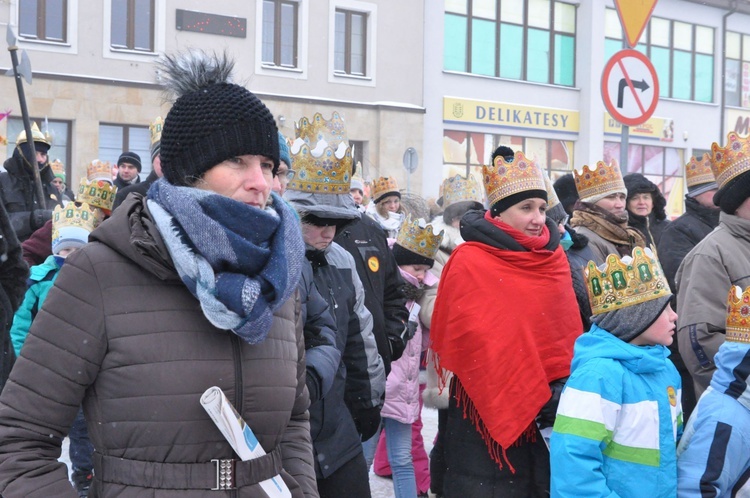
pixel 606 226
pixel 240 262
pixel 504 322
pixel 529 242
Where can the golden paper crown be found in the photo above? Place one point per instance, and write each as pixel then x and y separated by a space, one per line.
pixel 155 128
pixel 99 170
pixel 58 168
pixel 698 171
pixel 460 189
pixel 603 180
pixel 738 315
pixel 620 283
pixel 504 179
pixel 419 240
pixel 730 161
pixel 313 131
pixel 36 134
pixel 552 199
pixel 75 215
pixel 97 193
pixel 321 156
pixel 383 185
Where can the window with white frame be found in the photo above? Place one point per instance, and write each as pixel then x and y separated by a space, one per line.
pixel 280 32
pixel 350 50
pixel 45 20
pixel 114 139
pixel 132 25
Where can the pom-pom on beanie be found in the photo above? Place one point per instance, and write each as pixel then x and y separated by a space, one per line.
pixel 212 120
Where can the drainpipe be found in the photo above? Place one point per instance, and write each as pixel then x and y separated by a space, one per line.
pixel 724 68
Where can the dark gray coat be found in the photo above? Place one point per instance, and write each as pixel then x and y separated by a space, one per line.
pixel 120 333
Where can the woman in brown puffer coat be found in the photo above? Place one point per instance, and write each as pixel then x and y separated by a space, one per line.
pixel 191 287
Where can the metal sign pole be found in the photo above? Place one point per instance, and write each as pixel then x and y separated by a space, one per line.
pixel 624 145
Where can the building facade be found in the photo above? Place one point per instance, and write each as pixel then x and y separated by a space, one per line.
pixel 95 80
pixel 527 74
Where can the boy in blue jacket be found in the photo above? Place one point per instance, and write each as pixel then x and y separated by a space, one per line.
pixel 71 226
pixel 714 454
pixel 619 417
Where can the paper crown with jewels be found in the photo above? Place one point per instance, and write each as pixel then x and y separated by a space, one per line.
pixel 595 184
pixel 99 170
pixel 504 179
pixel 620 283
pixel 58 168
pixel 730 161
pixel 72 224
pixel 552 199
pixel 382 186
pixel 460 189
pixel 155 128
pixel 417 239
pixel 321 156
pixel 97 193
pixel 698 171
pixel 738 315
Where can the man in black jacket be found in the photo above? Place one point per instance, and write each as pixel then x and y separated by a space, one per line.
pixel 17 189
pixel 365 240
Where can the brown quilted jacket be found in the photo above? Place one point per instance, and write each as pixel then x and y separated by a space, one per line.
pixel 120 333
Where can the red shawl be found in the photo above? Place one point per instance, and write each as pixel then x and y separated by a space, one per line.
pixel 505 322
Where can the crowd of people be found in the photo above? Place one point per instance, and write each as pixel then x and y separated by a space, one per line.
pixel 537 317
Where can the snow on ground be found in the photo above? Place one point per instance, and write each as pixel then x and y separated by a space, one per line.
pixel 380 486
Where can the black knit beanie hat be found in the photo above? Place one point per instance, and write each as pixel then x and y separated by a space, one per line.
pixel 733 194
pixel 132 158
pixel 565 187
pixel 212 120
pixel 630 322
pixel 404 256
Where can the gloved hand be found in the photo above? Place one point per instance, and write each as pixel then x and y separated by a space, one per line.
pixel 548 413
pixel 39 217
pixel 409 330
pixel 367 421
pixel 397 345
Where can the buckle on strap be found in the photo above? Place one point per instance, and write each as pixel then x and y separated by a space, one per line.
pixel 225 478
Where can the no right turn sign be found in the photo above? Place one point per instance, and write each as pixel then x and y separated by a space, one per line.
pixel 630 87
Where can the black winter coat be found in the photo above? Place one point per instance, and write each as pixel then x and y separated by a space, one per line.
pixel 18 197
pixel 683 234
pixel 579 256
pixel 366 241
pixel 13 274
pixel 140 188
pixel 359 383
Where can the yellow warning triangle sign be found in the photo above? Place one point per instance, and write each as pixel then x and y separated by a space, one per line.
pixel 634 15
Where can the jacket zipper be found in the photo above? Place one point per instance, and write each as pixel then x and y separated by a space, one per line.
pixel 237 360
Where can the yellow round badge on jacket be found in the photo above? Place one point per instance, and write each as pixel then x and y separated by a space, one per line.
pixel 672 394
pixel 373 263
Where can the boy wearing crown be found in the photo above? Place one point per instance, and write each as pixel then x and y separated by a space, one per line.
pixel 600 213
pixel 619 417
pixel 720 260
pixel 17 191
pixel 71 227
pixel 713 458
pixel 350 411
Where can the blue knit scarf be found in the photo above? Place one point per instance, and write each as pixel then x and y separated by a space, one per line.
pixel 241 262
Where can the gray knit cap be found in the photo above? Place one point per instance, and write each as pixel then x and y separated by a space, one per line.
pixel 630 322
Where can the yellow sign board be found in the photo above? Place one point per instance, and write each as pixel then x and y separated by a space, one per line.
pixel 659 128
pixel 510 115
pixel 634 15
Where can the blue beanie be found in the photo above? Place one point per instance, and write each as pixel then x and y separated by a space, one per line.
pixel 284 151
